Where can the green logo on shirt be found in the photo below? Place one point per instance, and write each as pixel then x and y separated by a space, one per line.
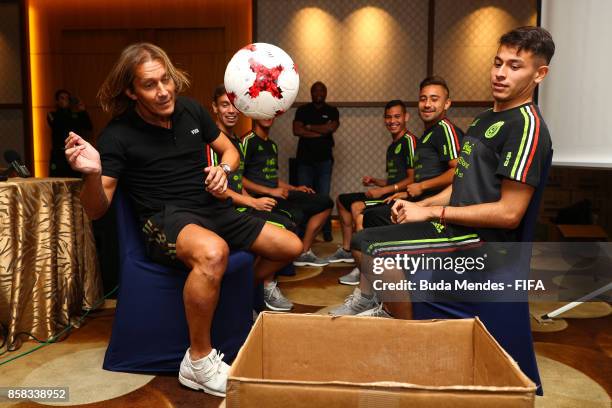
pixel 439 227
pixel 260 148
pixel 427 136
pixel 274 148
pixel 493 129
pixel 508 157
pixel 398 149
pixel 475 122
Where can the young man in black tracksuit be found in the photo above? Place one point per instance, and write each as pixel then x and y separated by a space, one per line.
pixel 260 178
pixel 226 117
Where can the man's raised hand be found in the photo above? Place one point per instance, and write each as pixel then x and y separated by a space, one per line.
pixel 81 155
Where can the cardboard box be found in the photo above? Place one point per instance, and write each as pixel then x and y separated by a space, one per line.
pixel 293 360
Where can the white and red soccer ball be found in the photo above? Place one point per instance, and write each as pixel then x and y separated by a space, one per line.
pixel 261 81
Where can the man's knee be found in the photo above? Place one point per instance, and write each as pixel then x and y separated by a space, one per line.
pixel 277 244
pixel 211 259
pixel 357 208
pixel 293 246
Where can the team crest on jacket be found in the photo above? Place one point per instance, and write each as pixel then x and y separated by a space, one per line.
pixel 493 129
pixel 398 149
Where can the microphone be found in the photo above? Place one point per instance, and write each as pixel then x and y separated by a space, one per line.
pixel 14 161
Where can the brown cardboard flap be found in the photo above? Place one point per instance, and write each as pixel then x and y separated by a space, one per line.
pixel 362 350
pixel 249 361
pixel 492 364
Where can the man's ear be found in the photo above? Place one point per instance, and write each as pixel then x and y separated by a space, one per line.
pixel 541 73
pixel 130 94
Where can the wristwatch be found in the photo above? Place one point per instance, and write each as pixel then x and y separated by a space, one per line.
pixel 226 168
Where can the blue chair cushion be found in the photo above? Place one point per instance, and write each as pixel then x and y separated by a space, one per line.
pixel 150 332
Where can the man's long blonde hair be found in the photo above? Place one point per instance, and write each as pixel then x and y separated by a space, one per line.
pixel 112 96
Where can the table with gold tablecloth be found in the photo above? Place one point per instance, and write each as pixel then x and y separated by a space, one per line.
pixel 48 265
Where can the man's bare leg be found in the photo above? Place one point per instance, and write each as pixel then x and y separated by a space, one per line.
pixel 399 308
pixel 364 284
pixel 206 254
pixel 315 224
pixel 346 219
pixel 357 214
pixel 276 247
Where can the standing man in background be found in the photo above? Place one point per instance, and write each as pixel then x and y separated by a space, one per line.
pixel 315 124
pixel 69 116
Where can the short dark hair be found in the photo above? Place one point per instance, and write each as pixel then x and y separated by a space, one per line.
pixel 318 83
pixel 59 92
pixel 434 80
pixel 218 92
pixel 395 102
pixel 530 38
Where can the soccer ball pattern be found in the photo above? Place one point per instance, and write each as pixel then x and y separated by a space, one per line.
pixel 261 81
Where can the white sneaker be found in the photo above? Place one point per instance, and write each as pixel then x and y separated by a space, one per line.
pixel 208 373
pixel 377 311
pixel 310 259
pixel 352 278
pixel 354 304
pixel 341 256
pixel 274 298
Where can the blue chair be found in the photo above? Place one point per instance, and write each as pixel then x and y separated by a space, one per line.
pixel 150 331
pixel 508 322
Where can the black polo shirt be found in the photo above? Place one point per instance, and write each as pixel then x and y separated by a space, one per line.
pixel 400 157
pixel 512 144
pixel 316 149
pixel 260 160
pixel 159 166
pixel 438 145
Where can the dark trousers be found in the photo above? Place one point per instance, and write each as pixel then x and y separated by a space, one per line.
pixel 318 177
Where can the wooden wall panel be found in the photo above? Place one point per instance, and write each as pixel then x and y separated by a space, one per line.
pixel 73 43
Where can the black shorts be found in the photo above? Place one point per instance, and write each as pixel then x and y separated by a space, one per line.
pixel 274 217
pixel 377 216
pixel 161 230
pixel 348 199
pixel 414 238
pixel 301 206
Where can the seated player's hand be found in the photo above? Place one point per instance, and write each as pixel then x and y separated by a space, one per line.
pixel 367 181
pixel 397 196
pixel 280 192
pixel 81 155
pixel 264 203
pixel 399 209
pixel 374 193
pixel 404 212
pixel 415 189
pixel 216 180
pixel 305 189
